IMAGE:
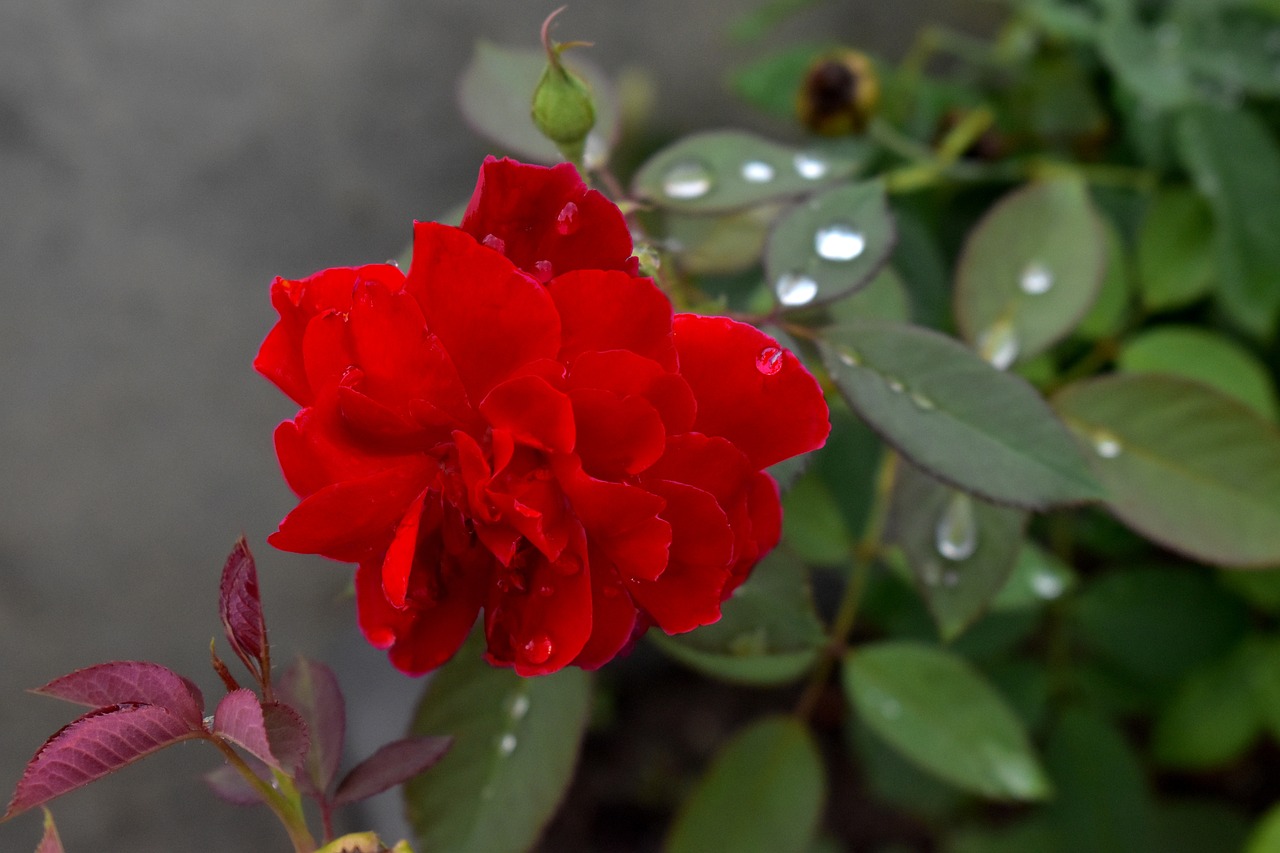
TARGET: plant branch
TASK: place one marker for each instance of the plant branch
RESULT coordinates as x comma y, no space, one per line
287,808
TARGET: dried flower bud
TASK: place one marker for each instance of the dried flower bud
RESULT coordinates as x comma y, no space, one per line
839,94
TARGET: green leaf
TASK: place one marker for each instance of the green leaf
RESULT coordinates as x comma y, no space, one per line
831,245
1260,588
960,549
764,792
1175,250
897,781
768,632
1204,356
1157,624
952,414
1187,467
1265,837
812,525
1148,61
1211,719
935,709
885,298
1110,310
718,244
495,94
1198,825
1102,803
724,170
1236,166
1030,270
1038,577
1024,836
515,746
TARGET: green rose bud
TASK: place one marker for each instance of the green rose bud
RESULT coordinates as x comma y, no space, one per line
562,108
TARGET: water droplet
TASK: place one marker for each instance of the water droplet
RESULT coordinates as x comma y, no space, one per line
568,564
567,221
1047,585
809,167
546,590
839,242
769,361
956,535
519,706
594,152
493,241
543,271
687,180
849,358
1106,444
757,172
1036,279
794,289
539,649
890,708
951,579
922,402
894,385
508,744
999,344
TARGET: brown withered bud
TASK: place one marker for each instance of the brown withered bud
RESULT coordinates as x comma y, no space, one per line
839,94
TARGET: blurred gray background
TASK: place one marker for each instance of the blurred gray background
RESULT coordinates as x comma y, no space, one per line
160,161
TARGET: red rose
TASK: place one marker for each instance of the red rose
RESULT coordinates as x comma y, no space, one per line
569,458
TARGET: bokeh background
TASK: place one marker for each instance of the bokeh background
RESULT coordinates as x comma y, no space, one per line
160,161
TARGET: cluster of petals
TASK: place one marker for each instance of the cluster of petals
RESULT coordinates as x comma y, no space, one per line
520,426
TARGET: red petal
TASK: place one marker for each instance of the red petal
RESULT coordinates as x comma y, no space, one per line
535,413
398,562
765,511
526,208
347,520
769,415
622,523
710,463
617,436
490,318
611,310
317,449
627,374
613,618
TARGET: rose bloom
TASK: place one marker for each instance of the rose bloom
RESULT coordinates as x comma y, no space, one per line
521,426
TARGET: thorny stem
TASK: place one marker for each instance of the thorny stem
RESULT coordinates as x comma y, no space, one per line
863,558
288,808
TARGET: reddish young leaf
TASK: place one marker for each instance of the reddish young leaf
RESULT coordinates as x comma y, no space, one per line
241,611
227,783
228,680
287,734
239,719
50,842
98,743
396,762
312,690
125,682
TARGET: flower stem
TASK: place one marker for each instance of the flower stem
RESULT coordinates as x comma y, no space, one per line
863,559
287,808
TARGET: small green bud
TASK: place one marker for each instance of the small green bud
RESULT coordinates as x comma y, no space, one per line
562,106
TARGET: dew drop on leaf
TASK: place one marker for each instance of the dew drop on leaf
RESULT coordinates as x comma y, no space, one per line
686,180
519,706
809,167
1106,445
839,242
1036,279
769,361
849,358
894,385
1046,585
567,221
794,289
956,534
999,344
757,172
507,744
922,402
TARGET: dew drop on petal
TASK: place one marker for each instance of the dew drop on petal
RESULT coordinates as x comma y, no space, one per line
999,344
809,167
546,590
507,744
769,361
543,271
1036,279
757,172
956,534
493,241
1106,444
567,220
794,289
687,180
839,242
539,649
